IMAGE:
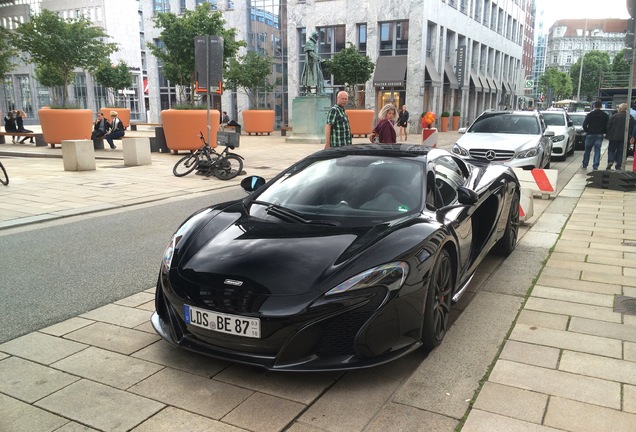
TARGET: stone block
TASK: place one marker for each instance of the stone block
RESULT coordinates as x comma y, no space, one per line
78,155
136,151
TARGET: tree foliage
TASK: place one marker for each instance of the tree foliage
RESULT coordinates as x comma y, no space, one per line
619,71
59,46
350,67
595,63
251,73
7,51
114,77
176,48
559,82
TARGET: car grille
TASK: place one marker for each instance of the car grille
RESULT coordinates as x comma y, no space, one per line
492,155
232,300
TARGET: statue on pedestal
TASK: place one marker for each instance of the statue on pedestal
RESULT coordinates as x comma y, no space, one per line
312,73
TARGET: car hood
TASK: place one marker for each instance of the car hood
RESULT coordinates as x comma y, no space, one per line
285,259
559,130
497,141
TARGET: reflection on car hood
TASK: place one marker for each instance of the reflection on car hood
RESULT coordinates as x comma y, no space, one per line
498,141
283,258
558,130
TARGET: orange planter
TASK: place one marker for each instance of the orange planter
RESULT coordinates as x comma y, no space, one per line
182,127
65,124
444,123
258,121
455,123
122,113
361,121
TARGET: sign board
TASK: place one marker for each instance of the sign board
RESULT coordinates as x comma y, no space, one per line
208,61
460,65
529,84
228,138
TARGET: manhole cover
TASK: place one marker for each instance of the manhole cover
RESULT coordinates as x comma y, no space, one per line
625,305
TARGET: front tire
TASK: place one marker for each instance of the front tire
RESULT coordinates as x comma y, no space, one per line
186,165
508,242
4,177
228,167
438,302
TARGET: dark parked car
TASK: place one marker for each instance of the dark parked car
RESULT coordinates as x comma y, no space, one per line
579,139
350,258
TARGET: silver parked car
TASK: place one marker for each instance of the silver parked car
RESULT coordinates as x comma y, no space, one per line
559,121
519,139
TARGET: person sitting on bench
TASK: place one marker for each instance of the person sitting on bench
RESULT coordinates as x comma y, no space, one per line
19,121
225,121
10,125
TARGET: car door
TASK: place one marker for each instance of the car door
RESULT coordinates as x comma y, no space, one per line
571,132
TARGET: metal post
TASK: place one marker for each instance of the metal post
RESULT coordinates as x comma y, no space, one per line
629,103
207,81
578,92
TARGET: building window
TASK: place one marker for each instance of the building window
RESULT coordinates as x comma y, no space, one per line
330,40
362,38
394,38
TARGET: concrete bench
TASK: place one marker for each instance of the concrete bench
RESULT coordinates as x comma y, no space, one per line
133,126
136,151
78,155
39,138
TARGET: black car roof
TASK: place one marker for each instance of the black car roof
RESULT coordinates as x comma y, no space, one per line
395,150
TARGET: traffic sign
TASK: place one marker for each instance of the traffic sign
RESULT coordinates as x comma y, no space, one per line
529,84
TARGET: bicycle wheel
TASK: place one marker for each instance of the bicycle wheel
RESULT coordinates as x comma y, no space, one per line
4,177
228,167
186,165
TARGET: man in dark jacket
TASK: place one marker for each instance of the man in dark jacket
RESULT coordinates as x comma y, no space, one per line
616,136
595,124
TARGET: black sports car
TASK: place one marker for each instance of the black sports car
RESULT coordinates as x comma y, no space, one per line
349,258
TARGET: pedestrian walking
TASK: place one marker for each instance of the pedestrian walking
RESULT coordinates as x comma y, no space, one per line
338,130
384,129
595,125
403,123
616,136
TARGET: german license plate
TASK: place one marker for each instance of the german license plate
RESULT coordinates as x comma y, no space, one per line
223,323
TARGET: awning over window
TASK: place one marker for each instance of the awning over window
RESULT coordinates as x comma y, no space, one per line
431,73
508,87
390,71
493,84
484,83
449,76
474,81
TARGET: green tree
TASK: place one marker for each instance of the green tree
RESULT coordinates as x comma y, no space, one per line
595,64
619,71
114,77
350,67
559,82
58,46
251,73
176,48
7,51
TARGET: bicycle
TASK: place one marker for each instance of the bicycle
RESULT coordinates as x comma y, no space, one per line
207,161
4,177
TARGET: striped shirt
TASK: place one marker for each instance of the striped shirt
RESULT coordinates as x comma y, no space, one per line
340,130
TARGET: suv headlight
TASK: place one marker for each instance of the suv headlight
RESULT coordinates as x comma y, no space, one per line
459,150
528,153
392,275
558,138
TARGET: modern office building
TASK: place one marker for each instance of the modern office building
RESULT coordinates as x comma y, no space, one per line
438,55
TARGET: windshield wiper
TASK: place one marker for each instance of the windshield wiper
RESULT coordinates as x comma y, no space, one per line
289,215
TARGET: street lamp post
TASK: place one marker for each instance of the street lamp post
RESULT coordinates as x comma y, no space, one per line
578,92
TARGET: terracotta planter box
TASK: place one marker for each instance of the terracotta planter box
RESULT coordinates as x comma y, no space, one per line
455,123
65,124
122,113
258,121
444,123
182,127
361,121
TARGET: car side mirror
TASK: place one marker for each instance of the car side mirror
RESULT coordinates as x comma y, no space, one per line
251,183
462,130
548,133
466,198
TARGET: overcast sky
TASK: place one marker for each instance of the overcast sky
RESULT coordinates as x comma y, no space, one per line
564,9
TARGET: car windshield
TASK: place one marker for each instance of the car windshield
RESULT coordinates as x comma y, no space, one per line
553,119
577,119
506,124
354,186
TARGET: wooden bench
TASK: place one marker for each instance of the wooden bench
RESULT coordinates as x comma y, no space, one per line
39,138
284,130
133,126
236,129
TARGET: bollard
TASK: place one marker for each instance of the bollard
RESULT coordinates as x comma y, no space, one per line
429,137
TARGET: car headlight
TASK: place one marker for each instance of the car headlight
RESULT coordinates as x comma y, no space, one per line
460,150
176,238
558,138
528,153
392,275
